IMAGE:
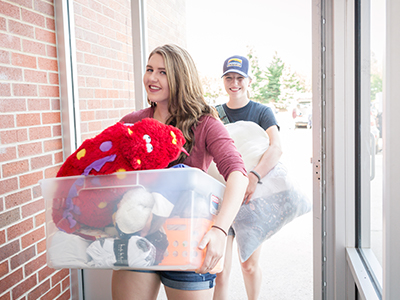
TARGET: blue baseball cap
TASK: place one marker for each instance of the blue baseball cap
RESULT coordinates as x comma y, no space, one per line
238,64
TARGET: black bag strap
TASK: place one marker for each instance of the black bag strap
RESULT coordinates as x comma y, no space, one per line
222,114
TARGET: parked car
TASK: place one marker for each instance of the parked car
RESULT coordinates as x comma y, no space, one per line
302,113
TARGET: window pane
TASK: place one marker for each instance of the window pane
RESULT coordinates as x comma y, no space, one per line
377,31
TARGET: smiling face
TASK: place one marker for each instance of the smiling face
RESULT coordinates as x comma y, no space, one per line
236,85
155,79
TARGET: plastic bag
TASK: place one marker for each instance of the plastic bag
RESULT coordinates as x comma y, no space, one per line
275,202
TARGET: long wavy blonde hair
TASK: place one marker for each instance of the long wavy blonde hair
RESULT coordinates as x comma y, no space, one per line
186,101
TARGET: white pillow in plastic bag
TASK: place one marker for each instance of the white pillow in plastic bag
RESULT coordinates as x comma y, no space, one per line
275,202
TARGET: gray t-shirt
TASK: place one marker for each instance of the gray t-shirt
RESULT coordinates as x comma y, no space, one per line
253,111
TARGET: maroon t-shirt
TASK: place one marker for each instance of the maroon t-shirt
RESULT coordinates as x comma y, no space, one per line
212,141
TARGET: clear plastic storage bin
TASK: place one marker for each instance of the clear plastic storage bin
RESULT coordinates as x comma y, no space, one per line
145,220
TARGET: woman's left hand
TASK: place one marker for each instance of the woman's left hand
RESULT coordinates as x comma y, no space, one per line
251,187
214,240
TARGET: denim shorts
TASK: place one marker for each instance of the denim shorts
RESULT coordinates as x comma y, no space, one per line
184,280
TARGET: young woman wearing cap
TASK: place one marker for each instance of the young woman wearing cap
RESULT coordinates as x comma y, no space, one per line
176,98
240,108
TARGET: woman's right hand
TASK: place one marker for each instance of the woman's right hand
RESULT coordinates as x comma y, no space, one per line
214,240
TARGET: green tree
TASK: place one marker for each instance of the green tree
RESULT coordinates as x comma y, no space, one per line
274,74
259,81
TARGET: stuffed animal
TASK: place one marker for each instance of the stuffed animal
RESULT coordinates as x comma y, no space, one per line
148,144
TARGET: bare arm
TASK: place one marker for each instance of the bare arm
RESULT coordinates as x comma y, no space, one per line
269,160
215,239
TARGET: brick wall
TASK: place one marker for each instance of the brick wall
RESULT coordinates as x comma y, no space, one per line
105,63
30,147
30,117
166,22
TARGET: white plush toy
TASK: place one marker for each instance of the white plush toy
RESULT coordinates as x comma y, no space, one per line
136,208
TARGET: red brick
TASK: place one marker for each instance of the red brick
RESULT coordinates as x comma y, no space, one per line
40,219
12,105
30,119
39,133
65,283
41,162
101,114
52,294
44,7
52,145
100,93
25,3
4,268
6,296
10,42
9,10
52,117
18,198
33,237
38,104
5,88
50,24
6,121
45,36
30,179
33,18
56,132
7,73
49,91
19,28
6,154
22,257
41,246
65,296
55,104
3,24
94,104
47,64
9,250
40,290
107,103
87,115
19,229
32,208
23,287
33,47
45,272
27,90
2,237
53,78
29,149
51,172
22,60
35,76
59,276
36,264
13,136
58,157
36,191
95,126
8,185
10,280
4,57
15,168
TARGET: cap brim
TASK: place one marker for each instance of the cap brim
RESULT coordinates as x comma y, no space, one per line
235,71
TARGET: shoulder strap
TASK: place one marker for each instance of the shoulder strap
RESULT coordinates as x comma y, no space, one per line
222,114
